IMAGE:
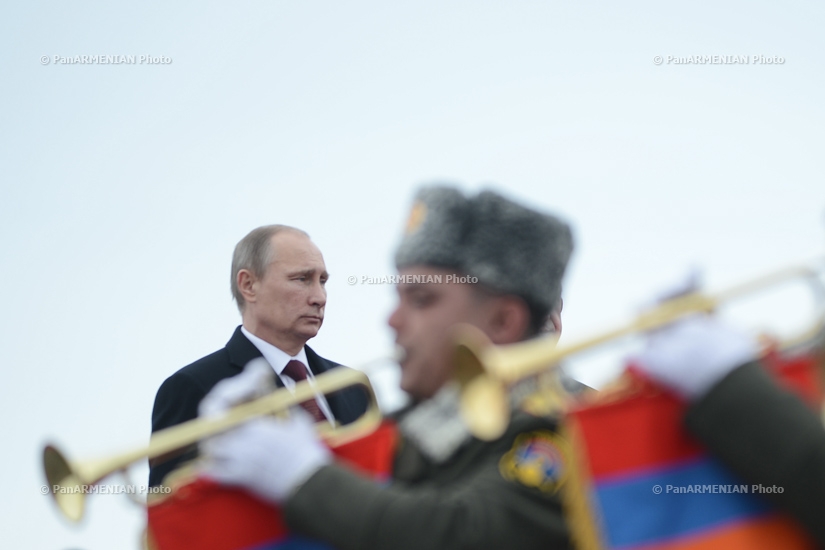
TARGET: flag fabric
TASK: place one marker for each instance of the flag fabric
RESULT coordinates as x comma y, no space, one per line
639,481
205,515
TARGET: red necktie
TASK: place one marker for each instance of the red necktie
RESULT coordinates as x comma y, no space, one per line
297,371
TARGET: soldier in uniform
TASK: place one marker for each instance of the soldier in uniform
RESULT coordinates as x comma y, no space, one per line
483,260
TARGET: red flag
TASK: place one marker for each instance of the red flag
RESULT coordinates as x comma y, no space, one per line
640,481
205,515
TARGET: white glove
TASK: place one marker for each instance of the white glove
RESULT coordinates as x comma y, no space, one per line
692,355
268,456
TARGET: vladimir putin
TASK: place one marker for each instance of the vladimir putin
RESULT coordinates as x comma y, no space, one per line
279,283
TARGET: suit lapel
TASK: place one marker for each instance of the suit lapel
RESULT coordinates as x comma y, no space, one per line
317,364
337,403
241,351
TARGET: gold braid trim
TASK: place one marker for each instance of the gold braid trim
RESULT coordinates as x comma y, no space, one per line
576,502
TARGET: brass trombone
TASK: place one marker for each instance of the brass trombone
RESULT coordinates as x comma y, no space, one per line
486,372
69,481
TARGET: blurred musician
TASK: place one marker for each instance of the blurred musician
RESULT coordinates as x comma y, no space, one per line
763,432
483,260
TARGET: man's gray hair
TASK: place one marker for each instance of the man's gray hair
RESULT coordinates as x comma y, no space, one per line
254,253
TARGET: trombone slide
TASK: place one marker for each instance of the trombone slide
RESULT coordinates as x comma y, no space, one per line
486,372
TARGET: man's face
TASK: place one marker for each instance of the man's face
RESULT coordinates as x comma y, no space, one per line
422,322
288,308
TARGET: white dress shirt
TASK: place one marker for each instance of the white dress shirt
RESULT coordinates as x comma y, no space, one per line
278,359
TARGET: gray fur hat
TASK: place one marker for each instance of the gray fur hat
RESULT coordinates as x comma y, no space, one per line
510,248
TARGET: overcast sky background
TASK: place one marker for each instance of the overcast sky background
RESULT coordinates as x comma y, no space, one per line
124,188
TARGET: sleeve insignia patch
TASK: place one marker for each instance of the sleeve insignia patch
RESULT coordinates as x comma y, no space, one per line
537,459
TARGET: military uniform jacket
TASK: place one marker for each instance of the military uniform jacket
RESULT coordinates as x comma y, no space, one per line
768,436
464,502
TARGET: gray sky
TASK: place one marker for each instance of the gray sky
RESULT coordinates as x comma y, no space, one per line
124,187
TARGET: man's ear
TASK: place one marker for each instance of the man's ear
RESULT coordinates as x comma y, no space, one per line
509,320
247,285
553,324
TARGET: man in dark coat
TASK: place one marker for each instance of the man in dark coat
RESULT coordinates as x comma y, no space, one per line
278,281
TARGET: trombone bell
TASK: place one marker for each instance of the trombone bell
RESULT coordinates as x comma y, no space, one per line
485,403
64,485
69,481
